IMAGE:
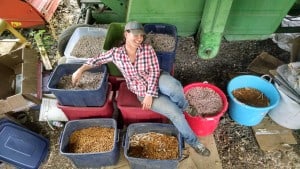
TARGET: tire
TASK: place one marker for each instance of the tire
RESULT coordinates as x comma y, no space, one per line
64,37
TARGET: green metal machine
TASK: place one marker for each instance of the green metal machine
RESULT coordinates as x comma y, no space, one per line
209,21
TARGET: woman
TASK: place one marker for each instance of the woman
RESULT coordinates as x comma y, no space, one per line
157,90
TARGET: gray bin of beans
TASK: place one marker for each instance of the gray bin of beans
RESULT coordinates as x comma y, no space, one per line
137,161
91,151
81,95
85,42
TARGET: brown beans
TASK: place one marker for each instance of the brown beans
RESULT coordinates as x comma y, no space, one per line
251,97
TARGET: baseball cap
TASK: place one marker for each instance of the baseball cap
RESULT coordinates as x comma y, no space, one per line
135,27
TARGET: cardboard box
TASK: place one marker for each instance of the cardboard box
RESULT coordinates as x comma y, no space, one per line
20,74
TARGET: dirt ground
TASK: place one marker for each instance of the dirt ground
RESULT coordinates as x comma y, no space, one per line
236,144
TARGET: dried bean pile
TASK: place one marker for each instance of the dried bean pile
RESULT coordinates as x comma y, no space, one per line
88,81
153,145
91,139
161,42
251,97
205,100
88,46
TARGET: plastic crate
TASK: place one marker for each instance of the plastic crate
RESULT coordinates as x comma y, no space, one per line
115,34
138,163
131,108
115,82
105,111
165,59
79,33
90,160
20,146
78,98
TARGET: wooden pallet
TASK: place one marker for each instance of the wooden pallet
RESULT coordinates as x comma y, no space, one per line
271,136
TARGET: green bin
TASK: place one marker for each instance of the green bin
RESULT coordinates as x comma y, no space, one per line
255,19
113,37
185,15
211,20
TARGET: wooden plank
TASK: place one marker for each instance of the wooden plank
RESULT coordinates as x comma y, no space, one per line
211,162
196,161
187,163
270,136
263,63
44,55
6,47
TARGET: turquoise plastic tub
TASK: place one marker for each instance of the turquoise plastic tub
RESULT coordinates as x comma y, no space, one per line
249,115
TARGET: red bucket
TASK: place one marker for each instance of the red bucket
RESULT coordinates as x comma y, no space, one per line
203,126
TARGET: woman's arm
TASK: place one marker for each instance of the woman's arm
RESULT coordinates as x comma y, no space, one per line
92,62
78,73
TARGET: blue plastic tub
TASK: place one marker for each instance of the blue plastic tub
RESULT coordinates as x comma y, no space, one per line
245,114
166,59
90,160
143,163
78,98
21,147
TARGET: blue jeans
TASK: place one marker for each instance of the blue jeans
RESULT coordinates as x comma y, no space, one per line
171,102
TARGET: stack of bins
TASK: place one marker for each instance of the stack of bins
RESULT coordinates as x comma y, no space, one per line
131,110
80,104
166,59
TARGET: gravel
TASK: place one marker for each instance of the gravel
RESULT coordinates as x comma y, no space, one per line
206,101
88,81
88,46
236,144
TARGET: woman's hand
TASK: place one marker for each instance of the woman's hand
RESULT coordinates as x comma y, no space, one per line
147,102
78,73
76,77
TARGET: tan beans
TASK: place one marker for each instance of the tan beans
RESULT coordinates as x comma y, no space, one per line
92,139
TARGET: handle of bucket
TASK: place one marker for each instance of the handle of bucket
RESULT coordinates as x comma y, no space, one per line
118,135
182,143
265,76
60,137
123,140
209,118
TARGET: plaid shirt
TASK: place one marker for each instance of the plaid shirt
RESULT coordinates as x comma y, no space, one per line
141,76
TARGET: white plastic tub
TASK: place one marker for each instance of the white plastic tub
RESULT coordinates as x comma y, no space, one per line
287,113
79,33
